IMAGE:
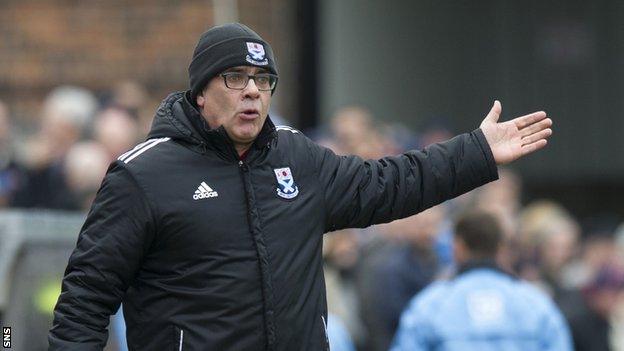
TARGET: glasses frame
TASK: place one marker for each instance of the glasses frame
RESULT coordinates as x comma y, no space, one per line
250,76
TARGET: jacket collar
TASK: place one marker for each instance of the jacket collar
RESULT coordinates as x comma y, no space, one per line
481,264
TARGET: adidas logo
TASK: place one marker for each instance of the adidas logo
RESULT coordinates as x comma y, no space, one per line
204,191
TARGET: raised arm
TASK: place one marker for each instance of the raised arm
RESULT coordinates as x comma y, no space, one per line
360,193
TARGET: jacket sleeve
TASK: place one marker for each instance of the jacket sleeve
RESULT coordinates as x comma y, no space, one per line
361,193
112,242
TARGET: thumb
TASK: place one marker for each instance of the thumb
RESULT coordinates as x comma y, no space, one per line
495,112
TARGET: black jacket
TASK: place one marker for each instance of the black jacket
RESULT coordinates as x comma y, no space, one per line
215,253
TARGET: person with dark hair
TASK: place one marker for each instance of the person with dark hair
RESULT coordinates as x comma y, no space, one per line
590,316
211,231
482,307
478,236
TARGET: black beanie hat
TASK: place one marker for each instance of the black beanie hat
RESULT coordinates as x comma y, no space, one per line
226,46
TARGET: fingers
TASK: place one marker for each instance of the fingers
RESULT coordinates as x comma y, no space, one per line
530,148
527,120
536,127
533,138
495,112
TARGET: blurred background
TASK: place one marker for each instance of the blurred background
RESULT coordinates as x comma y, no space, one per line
80,81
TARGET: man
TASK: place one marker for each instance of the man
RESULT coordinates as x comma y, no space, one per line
10,171
591,311
482,308
66,113
211,231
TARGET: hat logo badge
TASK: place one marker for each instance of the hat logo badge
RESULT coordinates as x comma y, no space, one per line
257,55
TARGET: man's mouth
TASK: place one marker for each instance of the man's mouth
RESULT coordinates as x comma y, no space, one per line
249,114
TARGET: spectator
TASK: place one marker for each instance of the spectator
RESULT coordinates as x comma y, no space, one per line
549,236
502,197
10,172
482,308
129,96
133,98
84,168
618,315
434,130
116,130
341,256
590,322
66,113
355,134
404,269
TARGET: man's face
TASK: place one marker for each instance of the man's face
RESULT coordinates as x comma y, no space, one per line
241,112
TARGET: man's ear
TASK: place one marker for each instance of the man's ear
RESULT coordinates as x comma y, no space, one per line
200,100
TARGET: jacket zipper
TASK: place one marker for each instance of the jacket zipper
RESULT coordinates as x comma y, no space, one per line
264,277
181,340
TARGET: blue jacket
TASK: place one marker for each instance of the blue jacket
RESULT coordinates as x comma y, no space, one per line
482,309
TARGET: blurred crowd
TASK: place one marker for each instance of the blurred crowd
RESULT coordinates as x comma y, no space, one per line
372,273
59,162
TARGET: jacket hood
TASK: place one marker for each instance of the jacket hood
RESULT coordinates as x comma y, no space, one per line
180,120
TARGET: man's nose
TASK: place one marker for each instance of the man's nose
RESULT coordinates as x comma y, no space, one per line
251,89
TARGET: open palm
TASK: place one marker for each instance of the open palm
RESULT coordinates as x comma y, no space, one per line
515,138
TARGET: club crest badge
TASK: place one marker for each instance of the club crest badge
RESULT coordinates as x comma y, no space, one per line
286,187
256,56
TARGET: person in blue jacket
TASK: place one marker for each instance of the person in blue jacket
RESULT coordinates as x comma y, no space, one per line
481,308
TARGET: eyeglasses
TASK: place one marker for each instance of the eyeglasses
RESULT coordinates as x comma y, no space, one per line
239,80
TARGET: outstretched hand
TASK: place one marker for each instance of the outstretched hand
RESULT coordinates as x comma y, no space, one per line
516,138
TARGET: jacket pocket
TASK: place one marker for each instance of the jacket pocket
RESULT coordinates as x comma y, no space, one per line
178,339
326,341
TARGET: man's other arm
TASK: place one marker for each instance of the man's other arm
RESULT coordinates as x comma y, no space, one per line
117,232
